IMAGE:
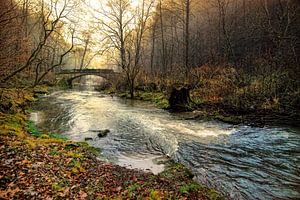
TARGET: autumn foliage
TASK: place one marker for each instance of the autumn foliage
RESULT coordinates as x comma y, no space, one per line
14,42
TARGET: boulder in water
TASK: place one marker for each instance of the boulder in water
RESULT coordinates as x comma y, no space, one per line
88,139
103,133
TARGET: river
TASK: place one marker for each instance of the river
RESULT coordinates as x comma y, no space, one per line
242,162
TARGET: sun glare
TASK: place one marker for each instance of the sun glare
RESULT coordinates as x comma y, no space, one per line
96,3
134,3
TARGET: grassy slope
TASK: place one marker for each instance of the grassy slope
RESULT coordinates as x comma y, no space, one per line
47,166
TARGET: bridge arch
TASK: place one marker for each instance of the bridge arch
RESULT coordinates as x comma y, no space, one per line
107,74
70,80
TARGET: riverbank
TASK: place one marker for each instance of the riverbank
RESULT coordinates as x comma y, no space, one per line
48,166
224,113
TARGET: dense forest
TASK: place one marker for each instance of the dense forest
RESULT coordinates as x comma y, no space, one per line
235,53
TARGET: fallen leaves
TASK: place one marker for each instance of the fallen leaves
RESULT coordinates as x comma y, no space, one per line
82,194
41,168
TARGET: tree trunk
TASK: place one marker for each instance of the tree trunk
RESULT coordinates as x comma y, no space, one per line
187,37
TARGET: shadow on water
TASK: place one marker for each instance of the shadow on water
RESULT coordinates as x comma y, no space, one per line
243,162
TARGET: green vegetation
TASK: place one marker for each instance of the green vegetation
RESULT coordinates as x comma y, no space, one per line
33,130
154,195
63,84
187,188
57,136
158,98
132,189
180,173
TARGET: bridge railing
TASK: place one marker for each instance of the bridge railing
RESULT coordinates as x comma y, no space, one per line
68,71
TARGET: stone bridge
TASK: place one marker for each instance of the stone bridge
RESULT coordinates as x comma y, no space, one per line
73,74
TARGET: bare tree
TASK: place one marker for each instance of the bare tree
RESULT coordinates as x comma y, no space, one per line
125,32
163,51
51,16
187,36
53,64
134,47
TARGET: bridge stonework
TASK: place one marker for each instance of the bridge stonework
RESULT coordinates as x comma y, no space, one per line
107,74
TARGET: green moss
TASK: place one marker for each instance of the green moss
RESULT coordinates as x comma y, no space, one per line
30,143
40,89
124,95
32,129
56,187
75,155
133,188
194,187
154,195
12,124
156,97
50,141
75,163
176,171
213,194
14,100
190,187
197,100
60,185
11,128
63,84
145,95
76,166
54,152
111,90
227,119
94,150
164,104
83,146
44,136
57,136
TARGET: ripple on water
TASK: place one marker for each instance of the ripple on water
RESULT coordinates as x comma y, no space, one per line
241,161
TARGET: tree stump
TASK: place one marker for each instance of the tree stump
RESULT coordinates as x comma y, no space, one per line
179,99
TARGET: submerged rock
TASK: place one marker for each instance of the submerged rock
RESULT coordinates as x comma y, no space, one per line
103,133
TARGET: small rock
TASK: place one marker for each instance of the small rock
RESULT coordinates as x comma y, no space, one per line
103,133
88,139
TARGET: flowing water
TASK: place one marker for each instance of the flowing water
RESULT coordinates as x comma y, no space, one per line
240,161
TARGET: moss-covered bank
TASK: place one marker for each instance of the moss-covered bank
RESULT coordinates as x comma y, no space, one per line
217,111
37,165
